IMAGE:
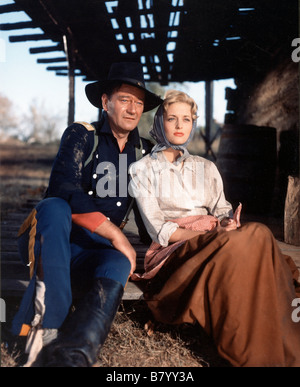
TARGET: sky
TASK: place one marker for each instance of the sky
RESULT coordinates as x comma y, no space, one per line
23,80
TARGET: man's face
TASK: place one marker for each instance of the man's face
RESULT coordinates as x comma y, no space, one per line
124,108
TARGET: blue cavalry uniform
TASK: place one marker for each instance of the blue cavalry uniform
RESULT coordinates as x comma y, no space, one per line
58,237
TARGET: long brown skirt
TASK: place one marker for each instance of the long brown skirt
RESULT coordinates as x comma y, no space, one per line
240,288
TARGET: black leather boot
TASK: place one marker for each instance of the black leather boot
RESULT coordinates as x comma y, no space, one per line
87,328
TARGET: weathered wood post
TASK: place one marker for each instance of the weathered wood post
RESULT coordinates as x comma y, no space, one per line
292,212
71,114
70,52
209,98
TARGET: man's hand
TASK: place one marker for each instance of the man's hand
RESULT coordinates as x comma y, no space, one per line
119,241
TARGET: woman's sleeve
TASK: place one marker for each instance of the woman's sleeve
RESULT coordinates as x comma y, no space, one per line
218,205
143,187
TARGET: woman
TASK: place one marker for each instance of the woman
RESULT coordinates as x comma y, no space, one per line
202,265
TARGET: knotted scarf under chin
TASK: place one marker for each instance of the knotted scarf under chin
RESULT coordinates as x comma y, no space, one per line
158,133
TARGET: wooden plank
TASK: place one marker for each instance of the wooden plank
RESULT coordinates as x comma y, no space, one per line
5,234
41,50
14,270
29,37
16,288
18,26
13,287
57,68
133,291
10,8
51,60
8,245
9,256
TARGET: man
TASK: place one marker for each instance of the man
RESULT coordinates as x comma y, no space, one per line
73,239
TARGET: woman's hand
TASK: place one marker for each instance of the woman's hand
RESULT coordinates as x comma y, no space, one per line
232,224
119,241
228,224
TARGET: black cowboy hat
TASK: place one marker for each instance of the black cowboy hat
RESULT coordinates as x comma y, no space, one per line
126,72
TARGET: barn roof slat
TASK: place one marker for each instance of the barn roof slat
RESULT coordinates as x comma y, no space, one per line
177,40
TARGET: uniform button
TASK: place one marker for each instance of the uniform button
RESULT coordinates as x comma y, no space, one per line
97,156
108,218
95,176
119,204
143,151
90,193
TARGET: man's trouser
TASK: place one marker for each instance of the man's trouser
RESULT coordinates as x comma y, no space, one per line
65,256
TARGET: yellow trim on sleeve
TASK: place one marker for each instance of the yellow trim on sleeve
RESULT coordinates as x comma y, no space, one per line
30,222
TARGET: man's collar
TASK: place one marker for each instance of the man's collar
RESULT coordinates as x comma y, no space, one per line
133,138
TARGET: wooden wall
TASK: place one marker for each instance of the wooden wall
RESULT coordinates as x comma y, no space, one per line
272,99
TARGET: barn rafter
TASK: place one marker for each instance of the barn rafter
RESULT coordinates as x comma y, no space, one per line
175,40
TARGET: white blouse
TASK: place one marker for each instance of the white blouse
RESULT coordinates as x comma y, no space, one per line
165,191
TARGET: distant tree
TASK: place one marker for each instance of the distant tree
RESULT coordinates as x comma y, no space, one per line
40,125
8,118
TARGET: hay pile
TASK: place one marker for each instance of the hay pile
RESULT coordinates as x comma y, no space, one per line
130,345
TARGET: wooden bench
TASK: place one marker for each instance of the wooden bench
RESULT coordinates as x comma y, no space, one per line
15,276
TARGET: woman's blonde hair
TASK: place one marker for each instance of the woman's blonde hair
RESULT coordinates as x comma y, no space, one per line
173,96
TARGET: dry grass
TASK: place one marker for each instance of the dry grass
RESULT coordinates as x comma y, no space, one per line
129,345
24,173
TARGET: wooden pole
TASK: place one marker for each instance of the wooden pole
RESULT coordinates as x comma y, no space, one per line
70,53
71,114
209,97
292,212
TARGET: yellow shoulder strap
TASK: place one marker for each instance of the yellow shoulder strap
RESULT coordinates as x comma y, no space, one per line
87,126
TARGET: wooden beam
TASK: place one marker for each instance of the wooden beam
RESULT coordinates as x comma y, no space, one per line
42,50
71,111
65,74
209,97
9,8
57,68
70,51
16,288
18,26
52,60
25,38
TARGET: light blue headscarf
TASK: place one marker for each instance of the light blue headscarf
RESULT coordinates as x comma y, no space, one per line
158,133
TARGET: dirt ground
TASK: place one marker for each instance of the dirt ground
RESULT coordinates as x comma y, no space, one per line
24,173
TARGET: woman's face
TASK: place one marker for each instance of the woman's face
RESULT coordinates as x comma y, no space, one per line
178,122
